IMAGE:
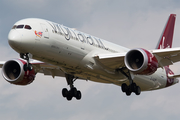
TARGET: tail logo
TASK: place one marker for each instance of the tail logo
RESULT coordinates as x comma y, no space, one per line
162,46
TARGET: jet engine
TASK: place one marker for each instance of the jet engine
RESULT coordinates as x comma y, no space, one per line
13,72
141,61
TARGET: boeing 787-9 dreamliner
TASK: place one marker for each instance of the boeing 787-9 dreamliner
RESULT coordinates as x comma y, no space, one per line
53,49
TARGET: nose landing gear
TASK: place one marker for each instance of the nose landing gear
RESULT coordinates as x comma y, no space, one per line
28,65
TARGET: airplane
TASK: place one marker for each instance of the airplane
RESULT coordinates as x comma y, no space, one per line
56,50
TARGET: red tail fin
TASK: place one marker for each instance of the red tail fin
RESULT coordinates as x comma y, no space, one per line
165,41
166,38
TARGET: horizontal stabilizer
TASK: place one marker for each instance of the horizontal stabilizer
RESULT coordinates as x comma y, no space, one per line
173,76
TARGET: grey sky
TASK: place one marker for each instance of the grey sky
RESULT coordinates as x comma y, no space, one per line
130,23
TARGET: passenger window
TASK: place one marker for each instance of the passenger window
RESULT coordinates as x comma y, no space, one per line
20,26
28,27
14,27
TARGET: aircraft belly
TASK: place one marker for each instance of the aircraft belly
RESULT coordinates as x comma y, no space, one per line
92,70
151,82
144,82
102,77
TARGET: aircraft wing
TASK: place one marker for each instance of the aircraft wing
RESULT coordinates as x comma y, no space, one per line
165,57
41,67
112,60
47,69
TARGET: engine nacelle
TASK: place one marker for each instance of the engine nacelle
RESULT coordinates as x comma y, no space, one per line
14,73
141,61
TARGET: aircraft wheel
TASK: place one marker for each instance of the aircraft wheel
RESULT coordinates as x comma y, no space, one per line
69,96
64,92
138,90
78,96
28,67
74,91
71,93
133,87
128,92
124,87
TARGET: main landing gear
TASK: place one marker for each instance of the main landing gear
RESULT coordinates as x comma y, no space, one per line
73,92
28,65
132,86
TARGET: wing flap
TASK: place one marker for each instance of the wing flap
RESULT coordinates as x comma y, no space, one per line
52,72
47,69
113,60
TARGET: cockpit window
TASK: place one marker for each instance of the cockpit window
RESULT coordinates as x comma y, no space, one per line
20,26
14,27
27,27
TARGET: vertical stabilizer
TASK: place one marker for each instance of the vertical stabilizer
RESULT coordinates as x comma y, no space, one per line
166,38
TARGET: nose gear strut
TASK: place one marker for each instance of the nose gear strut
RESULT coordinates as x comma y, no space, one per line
28,65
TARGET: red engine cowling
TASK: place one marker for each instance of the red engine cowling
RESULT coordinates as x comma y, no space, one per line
14,73
141,61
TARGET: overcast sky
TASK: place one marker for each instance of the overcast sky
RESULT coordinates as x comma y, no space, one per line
130,23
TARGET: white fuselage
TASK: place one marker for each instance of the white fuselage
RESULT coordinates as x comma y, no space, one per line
73,52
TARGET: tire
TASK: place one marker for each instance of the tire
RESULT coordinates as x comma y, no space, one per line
128,92
138,90
69,96
133,87
64,92
74,91
124,87
26,68
78,96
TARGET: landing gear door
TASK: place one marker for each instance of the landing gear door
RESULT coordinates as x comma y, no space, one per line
45,31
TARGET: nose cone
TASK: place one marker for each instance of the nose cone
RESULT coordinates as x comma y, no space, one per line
14,39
